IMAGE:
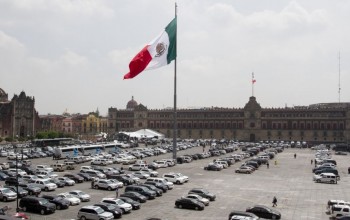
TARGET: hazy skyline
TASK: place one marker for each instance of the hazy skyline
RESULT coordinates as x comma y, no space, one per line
73,54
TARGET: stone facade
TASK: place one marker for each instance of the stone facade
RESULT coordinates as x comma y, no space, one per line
329,122
18,117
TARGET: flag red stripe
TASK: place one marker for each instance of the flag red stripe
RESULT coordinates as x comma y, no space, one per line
138,63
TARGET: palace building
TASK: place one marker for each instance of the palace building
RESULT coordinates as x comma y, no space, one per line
325,122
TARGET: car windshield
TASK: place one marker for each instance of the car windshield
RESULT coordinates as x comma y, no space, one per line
43,202
205,191
99,210
6,191
119,202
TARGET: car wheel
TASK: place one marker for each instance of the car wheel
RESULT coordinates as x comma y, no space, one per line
5,199
274,217
46,189
123,211
180,206
318,181
177,182
109,188
42,212
58,207
96,186
332,181
196,208
24,209
82,218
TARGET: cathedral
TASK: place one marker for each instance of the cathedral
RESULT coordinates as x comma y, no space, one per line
18,117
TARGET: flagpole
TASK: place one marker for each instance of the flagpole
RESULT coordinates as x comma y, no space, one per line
253,84
175,113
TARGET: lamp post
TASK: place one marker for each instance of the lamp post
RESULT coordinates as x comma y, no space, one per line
17,209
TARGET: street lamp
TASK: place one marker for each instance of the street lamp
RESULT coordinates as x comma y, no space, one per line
17,208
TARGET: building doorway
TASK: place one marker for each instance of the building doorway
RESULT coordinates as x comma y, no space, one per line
252,138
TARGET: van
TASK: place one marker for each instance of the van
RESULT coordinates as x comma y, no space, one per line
69,165
325,178
37,204
340,210
58,167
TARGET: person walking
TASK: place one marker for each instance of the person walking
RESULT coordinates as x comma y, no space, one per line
267,165
92,183
275,162
312,161
116,192
274,201
295,156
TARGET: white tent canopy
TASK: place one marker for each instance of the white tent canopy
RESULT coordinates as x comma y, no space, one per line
144,133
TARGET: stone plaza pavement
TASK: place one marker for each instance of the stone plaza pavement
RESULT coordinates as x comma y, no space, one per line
290,181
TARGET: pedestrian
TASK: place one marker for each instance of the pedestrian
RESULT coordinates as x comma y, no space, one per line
203,148
295,156
92,183
267,165
312,161
275,162
349,170
116,192
274,201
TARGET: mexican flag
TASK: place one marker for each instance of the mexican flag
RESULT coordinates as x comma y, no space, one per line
159,52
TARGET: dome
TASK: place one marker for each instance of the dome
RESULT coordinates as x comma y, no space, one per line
3,96
131,104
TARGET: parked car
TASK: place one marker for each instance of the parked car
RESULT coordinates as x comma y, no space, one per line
197,197
189,204
158,191
135,205
37,204
105,184
66,180
160,186
203,192
84,197
86,176
174,178
32,189
126,207
244,169
20,193
117,212
44,184
135,196
72,199
340,210
213,166
264,212
75,177
242,214
59,183
94,212
149,194
60,202
325,178
7,195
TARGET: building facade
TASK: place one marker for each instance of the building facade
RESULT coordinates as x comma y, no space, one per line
328,122
18,117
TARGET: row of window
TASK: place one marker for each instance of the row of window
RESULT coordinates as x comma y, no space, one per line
302,125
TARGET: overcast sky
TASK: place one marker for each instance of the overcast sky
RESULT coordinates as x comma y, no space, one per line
72,54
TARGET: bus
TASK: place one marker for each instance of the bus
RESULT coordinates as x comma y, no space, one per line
51,142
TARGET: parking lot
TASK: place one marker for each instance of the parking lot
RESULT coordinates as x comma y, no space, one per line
290,181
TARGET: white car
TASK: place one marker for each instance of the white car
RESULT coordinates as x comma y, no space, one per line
162,164
105,184
84,197
67,181
141,174
44,167
125,207
71,198
19,171
150,172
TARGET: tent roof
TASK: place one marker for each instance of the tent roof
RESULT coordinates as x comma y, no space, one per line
144,133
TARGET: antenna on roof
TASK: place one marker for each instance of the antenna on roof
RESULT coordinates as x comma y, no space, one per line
339,89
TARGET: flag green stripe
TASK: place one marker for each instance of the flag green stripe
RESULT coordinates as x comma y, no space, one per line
171,30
